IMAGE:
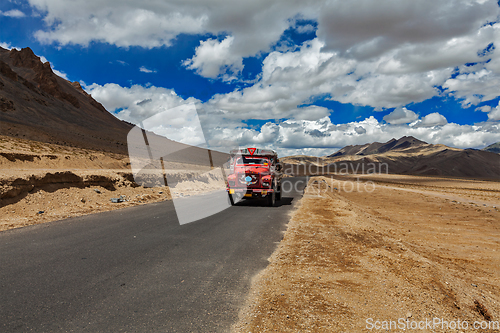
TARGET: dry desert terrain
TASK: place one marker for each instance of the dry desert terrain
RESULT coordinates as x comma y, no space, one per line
43,182
403,249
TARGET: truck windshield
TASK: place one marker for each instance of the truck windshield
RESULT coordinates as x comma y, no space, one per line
252,161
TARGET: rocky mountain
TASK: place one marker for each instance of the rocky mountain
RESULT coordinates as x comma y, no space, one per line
406,143
37,104
493,148
406,155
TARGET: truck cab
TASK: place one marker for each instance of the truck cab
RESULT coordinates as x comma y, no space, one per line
254,173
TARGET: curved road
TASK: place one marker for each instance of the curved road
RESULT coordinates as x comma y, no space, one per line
137,269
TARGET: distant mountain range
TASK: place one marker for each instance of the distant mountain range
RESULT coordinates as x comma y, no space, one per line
406,143
494,148
408,155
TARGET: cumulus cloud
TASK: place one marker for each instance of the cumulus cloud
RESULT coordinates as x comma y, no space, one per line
314,136
385,55
322,137
136,103
358,29
433,119
214,58
494,113
81,22
477,82
474,88
16,13
360,130
484,108
365,28
290,79
401,116
255,24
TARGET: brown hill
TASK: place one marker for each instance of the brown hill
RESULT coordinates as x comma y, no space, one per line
37,104
404,156
494,148
405,143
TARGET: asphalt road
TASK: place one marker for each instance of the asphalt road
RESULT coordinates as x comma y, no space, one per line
137,269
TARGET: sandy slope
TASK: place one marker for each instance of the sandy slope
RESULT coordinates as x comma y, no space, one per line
41,182
402,252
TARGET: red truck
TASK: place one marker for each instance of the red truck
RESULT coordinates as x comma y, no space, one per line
254,173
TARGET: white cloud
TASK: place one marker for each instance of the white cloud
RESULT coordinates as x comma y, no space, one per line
146,70
494,114
384,54
312,112
401,116
318,136
395,52
255,24
290,79
433,119
475,87
365,28
136,103
303,29
61,74
322,137
484,108
16,13
358,27
214,58
8,46
477,83
113,22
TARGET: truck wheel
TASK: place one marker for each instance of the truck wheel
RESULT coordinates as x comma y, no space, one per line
271,199
231,200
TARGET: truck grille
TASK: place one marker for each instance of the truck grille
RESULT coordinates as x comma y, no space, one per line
248,179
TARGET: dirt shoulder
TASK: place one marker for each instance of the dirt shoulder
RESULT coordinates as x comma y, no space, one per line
41,182
388,255
45,205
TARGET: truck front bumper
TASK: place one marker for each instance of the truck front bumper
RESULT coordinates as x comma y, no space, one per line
250,190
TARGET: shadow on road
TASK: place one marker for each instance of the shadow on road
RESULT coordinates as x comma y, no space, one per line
285,201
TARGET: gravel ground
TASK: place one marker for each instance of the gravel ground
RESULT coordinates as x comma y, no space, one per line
356,261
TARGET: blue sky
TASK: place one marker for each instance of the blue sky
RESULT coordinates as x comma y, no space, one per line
284,74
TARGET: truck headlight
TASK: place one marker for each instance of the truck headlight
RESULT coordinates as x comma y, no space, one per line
265,183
